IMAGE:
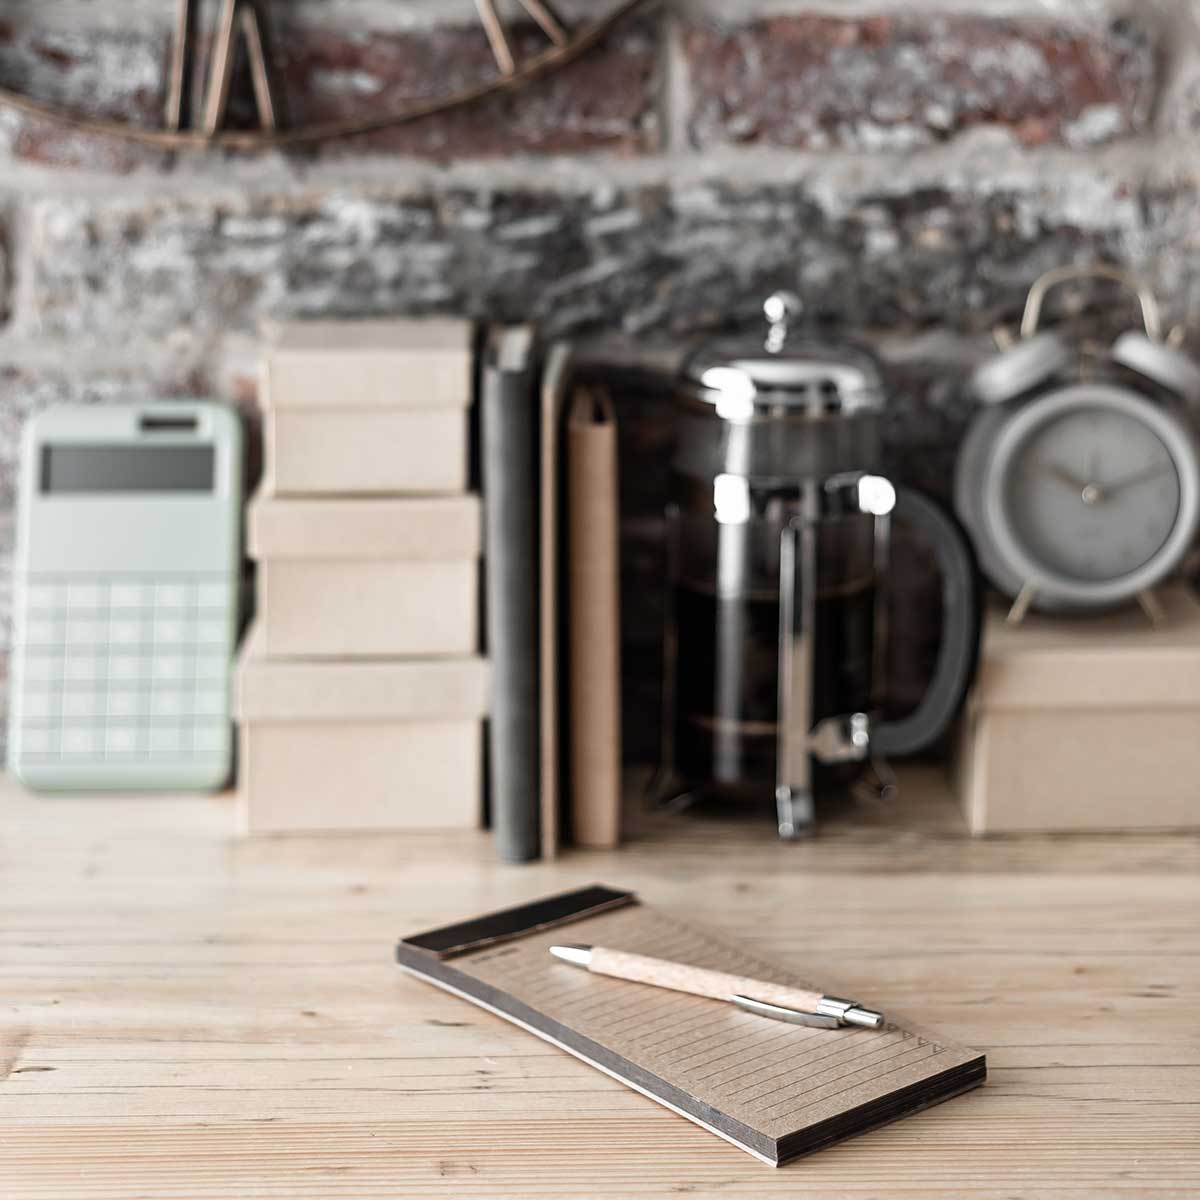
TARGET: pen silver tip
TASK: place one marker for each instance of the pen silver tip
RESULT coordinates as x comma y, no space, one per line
866,1017
579,955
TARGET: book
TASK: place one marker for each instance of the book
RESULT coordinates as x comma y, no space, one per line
773,1089
594,636
555,389
509,417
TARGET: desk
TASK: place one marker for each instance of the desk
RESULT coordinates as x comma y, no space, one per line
183,1014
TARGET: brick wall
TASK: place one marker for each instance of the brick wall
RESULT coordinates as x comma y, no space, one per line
910,167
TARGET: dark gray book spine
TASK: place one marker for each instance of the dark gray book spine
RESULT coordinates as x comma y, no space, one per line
509,436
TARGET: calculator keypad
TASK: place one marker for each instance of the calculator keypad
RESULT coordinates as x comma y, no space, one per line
123,668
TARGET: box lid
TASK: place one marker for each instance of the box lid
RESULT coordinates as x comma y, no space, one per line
275,690
424,528
369,364
1118,660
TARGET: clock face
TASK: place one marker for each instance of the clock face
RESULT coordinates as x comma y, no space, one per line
1089,496
1093,494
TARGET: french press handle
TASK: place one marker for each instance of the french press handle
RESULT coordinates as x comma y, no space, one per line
961,616
855,737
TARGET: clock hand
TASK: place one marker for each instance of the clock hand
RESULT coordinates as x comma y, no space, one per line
1064,476
1143,476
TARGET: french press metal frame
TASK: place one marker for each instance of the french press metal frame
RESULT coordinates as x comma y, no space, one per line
801,506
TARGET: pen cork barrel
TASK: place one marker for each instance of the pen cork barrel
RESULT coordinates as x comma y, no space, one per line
697,981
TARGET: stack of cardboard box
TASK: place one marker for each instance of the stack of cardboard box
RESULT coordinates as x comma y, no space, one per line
360,691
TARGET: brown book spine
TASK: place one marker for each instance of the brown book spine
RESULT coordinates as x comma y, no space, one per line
593,591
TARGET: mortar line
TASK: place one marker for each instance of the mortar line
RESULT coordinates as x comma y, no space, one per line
984,155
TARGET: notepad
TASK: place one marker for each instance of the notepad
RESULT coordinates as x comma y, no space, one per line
777,1091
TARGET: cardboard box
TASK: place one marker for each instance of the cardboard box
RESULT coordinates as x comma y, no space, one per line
367,578
1085,723
368,407
328,746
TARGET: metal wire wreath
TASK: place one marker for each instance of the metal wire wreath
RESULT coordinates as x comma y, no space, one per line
247,19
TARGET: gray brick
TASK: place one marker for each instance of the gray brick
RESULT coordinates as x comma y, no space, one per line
204,265
655,258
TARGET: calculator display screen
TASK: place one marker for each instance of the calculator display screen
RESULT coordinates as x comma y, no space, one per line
109,468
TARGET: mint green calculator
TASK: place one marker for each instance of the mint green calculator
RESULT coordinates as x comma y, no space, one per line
126,597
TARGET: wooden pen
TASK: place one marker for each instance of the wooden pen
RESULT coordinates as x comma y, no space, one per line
778,1001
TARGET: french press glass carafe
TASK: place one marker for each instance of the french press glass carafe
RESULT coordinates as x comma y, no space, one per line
779,544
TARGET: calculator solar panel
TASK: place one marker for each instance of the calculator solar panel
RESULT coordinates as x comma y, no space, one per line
126,597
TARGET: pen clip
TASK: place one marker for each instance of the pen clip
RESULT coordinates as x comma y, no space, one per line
830,1013
793,1016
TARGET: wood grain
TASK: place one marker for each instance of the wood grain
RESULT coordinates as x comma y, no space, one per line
184,1014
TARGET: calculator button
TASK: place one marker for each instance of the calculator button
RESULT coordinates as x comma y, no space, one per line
127,668
128,596
172,595
86,632
83,669
38,739
38,705
213,595
166,739
79,739
86,596
211,667
169,668
82,704
43,596
211,632
168,704
42,631
125,703
121,739
43,668
211,702
169,631
210,738
125,631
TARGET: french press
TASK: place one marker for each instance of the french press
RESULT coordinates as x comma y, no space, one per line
779,547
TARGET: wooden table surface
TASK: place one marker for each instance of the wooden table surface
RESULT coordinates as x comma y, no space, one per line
183,1014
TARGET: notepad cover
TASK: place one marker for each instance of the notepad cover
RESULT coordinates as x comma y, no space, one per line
776,1090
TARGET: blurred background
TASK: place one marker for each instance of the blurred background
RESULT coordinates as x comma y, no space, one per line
909,173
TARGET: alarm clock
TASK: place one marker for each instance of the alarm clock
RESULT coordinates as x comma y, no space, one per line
1079,478
125,597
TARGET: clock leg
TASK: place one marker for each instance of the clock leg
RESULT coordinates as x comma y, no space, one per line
1150,605
1021,605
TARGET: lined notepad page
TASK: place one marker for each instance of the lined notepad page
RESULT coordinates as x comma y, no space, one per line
773,1077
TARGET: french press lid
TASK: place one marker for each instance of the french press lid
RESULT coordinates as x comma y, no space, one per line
788,371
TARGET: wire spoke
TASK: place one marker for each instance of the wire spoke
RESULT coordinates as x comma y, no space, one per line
182,56
548,20
222,68
494,28
255,33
